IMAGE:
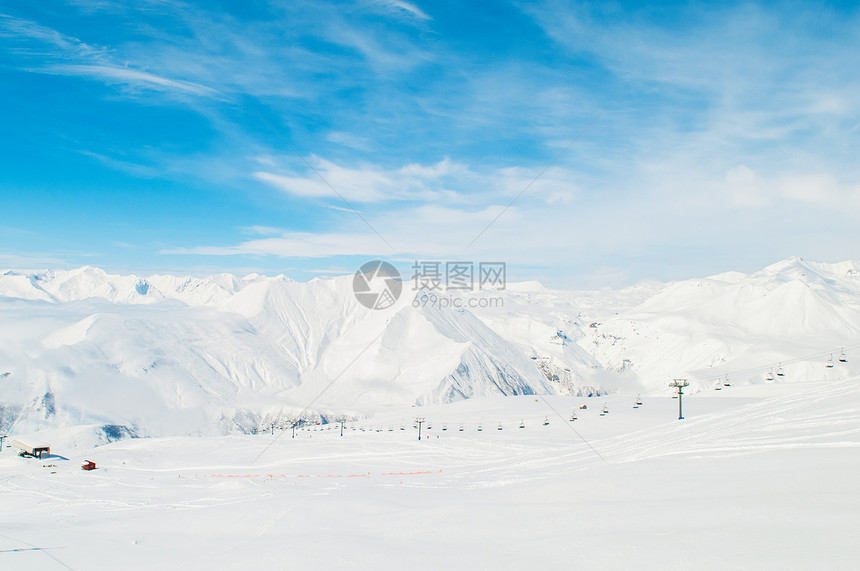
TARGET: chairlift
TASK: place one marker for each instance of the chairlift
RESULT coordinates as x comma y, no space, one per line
829,363
500,426
605,409
546,421
726,383
390,428
480,428
719,386
769,376
402,426
573,416
461,428
638,401
843,358
444,427
779,371
522,424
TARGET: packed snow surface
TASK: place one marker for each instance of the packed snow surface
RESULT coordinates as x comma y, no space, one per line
754,478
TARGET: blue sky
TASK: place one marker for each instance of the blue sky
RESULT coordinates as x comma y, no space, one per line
164,137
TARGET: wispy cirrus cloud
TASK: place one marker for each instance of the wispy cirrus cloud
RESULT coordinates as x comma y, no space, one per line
294,245
128,76
403,7
47,50
372,183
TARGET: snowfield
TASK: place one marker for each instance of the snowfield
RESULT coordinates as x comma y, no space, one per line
747,480
183,390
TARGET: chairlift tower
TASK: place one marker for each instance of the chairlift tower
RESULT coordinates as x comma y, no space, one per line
419,422
679,384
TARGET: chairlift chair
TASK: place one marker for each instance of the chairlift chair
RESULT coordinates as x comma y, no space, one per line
522,424
769,376
638,401
779,371
829,363
500,426
843,358
546,421
573,416
719,386
726,383
444,427
480,428
461,428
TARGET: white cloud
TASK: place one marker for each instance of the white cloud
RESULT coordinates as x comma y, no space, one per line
404,7
745,188
370,183
67,55
114,74
822,190
350,140
295,245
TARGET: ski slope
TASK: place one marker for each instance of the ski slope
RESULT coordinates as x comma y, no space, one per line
178,355
755,477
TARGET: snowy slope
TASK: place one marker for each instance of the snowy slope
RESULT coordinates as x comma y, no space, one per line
793,314
546,324
746,482
165,355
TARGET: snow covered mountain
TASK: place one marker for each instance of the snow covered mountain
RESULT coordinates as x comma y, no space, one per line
178,355
792,317
167,355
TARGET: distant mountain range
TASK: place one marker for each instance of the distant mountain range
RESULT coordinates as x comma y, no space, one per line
179,355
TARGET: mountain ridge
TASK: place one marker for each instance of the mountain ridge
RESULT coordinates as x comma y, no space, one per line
176,354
